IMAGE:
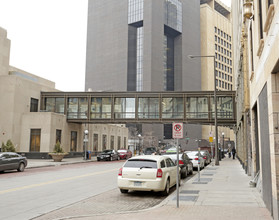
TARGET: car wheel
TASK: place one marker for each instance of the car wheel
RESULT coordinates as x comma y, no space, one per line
98,159
123,190
167,188
21,167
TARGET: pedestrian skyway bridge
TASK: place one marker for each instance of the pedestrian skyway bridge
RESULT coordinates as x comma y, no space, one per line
142,107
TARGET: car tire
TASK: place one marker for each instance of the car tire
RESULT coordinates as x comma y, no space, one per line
124,190
21,167
98,159
167,188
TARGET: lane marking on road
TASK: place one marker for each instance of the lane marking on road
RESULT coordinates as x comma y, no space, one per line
54,181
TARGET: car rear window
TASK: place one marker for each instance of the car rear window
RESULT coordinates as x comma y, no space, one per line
141,163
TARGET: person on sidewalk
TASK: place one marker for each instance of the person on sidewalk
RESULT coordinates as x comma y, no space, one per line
233,152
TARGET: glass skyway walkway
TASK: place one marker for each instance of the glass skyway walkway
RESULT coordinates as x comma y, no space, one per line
142,107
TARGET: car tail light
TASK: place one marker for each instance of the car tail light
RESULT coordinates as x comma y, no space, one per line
120,171
181,162
196,158
159,173
204,157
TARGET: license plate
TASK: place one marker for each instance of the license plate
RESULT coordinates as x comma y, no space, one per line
137,183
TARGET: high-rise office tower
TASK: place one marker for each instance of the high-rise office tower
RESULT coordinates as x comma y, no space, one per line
143,45
216,39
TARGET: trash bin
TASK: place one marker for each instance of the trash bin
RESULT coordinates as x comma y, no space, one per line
88,155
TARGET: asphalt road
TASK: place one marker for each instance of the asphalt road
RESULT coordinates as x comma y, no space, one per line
38,191
48,193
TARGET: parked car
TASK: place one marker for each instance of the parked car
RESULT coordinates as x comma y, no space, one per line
196,160
149,150
124,154
185,163
206,156
108,155
12,161
147,173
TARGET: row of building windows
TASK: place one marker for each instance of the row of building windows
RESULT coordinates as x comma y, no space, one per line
223,50
223,67
224,85
223,59
223,42
223,34
35,137
225,76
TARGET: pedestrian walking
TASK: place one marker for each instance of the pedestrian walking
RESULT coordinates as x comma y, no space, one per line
233,152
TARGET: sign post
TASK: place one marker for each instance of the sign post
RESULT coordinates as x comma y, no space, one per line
177,132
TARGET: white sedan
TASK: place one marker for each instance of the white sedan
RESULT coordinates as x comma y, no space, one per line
147,173
196,160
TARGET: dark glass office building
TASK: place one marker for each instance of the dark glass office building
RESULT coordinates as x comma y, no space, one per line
143,45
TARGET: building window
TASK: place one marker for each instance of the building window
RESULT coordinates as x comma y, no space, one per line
58,136
173,14
100,107
118,142
125,141
135,11
104,142
111,142
251,48
139,59
73,141
95,142
35,140
168,63
54,105
34,103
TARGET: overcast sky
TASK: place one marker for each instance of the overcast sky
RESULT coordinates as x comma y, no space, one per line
48,38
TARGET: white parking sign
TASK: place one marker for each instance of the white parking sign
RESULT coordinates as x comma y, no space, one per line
177,130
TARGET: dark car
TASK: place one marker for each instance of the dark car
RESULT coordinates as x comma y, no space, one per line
150,150
12,161
108,155
185,163
124,154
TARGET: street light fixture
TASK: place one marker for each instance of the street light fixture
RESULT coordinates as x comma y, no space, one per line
215,101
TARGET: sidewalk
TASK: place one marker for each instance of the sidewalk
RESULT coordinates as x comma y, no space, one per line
223,192
36,163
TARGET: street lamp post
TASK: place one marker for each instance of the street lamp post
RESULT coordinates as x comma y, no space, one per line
223,136
139,136
215,101
85,143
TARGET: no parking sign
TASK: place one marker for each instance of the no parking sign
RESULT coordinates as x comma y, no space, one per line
177,130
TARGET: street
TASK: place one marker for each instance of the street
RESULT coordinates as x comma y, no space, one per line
39,191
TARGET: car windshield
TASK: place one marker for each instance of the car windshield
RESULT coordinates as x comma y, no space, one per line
141,163
107,151
121,151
